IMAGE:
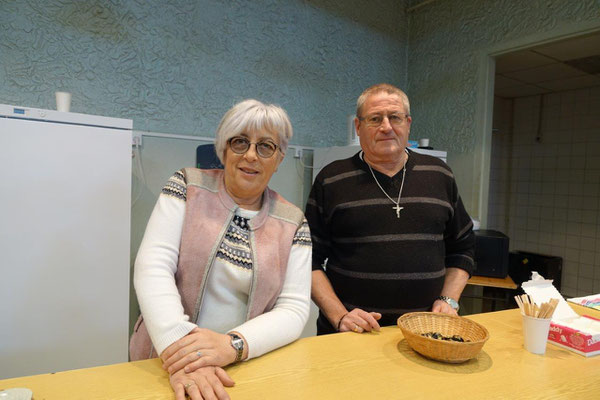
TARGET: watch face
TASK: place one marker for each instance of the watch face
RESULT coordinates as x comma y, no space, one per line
238,343
450,301
453,303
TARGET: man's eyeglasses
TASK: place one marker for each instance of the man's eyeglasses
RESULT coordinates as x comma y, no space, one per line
375,120
240,145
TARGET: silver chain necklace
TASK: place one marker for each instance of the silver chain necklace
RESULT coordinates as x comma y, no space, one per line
396,207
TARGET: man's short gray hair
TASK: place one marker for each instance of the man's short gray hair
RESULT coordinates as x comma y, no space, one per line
381,87
252,116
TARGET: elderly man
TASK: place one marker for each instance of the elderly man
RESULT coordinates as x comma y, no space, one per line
390,232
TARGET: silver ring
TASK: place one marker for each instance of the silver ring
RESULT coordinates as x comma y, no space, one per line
199,353
187,385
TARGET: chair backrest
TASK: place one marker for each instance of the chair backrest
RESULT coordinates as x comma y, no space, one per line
206,157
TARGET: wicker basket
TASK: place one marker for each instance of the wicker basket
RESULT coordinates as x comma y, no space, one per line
413,324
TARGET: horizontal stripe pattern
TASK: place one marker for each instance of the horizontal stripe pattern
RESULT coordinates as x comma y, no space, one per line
319,240
433,168
344,175
465,229
386,310
176,186
466,258
302,236
386,201
391,238
411,276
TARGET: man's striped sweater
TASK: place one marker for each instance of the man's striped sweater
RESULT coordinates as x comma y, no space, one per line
376,261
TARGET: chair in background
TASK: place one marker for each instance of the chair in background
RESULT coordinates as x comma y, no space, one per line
206,157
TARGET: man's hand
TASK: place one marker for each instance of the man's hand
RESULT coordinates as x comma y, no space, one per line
359,321
199,348
203,384
454,283
441,306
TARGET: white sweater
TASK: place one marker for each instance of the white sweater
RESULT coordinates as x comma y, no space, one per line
160,303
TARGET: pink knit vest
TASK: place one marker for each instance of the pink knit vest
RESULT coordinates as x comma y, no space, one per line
209,210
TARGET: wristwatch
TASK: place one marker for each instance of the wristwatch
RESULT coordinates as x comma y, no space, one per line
453,303
238,345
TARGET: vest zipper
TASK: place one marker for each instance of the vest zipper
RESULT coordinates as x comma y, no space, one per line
198,307
254,274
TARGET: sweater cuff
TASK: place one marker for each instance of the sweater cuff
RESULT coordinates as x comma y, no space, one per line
460,261
167,339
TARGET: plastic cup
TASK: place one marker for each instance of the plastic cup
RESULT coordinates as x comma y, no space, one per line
353,138
63,101
535,334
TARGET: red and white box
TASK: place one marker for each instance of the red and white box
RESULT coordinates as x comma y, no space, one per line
580,334
584,341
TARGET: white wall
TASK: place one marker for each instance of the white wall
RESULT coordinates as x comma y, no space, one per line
545,194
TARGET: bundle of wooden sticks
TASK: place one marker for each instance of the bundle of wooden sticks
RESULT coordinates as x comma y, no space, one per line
528,307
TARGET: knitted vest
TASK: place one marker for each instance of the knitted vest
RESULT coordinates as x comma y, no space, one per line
209,211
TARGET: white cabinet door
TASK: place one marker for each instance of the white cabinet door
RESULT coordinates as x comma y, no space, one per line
64,246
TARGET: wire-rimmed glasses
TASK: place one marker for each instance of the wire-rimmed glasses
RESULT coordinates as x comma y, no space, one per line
375,120
264,148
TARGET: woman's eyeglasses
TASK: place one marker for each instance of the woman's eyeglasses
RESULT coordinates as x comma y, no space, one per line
240,145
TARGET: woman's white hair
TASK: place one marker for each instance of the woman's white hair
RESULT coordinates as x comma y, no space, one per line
252,116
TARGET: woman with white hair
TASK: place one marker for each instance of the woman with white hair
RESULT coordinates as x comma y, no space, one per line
224,269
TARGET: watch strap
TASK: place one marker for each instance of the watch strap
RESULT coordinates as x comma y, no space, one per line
453,303
238,345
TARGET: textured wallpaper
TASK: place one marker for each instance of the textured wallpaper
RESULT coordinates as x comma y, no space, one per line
177,66
446,40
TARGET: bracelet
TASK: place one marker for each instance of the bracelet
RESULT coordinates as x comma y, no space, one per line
340,322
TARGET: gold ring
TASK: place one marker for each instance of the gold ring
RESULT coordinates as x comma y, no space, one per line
355,328
187,385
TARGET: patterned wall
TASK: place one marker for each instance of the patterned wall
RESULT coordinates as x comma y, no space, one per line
446,40
176,66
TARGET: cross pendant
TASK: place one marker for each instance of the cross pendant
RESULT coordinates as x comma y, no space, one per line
397,208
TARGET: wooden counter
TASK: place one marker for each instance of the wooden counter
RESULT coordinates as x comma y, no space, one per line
351,366
502,283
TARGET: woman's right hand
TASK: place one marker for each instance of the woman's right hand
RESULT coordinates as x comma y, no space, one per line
206,383
199,348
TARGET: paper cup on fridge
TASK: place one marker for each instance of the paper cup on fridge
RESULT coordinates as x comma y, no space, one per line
353,138
63,101
535,334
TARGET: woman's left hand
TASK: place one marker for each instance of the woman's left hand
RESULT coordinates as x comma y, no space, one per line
203,384
199,348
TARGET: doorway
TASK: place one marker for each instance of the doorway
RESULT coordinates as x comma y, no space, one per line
544,188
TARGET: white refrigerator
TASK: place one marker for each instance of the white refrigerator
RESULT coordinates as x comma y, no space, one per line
65,209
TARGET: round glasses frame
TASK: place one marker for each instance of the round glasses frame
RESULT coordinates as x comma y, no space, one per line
240,145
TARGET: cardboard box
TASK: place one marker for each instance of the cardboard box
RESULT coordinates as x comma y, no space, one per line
580,334
580,342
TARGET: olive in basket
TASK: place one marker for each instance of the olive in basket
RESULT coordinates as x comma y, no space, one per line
415,327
